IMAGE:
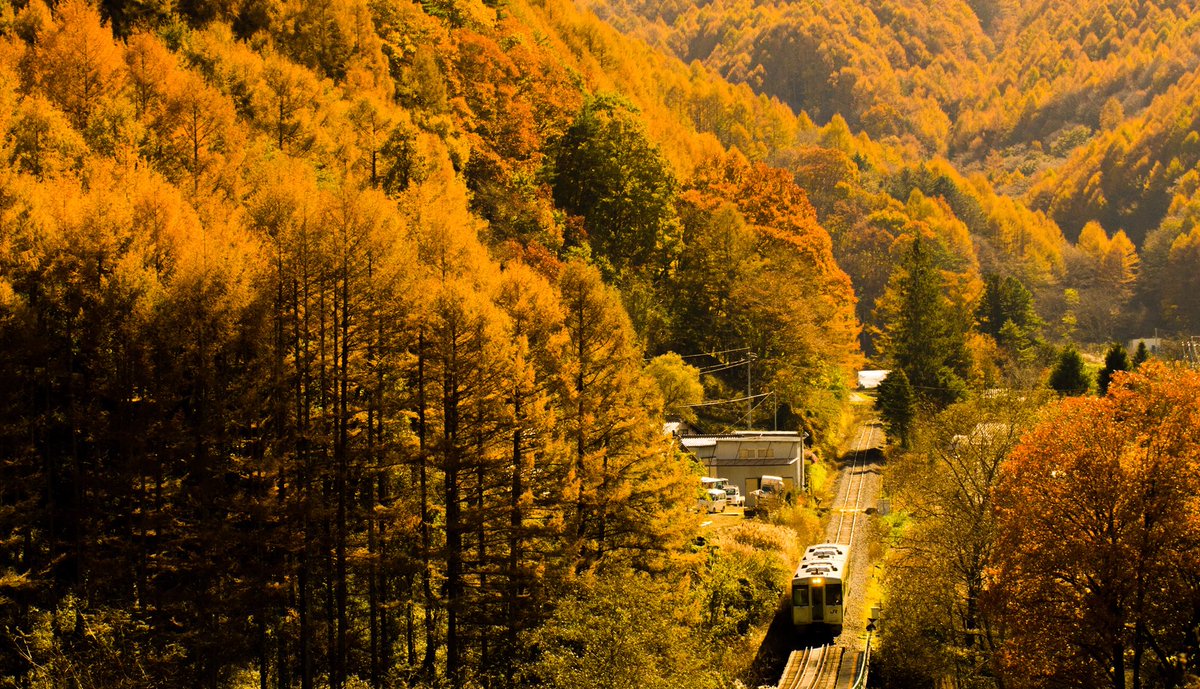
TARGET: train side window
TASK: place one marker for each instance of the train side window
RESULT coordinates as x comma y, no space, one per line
833,594
800,596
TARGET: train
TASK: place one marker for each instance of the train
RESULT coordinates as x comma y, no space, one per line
819,587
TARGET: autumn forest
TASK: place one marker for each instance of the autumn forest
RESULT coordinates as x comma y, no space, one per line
337,337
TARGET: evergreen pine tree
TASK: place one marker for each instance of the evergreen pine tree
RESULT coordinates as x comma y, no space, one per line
1117,359
1068,376
1140,356
897,404
922,334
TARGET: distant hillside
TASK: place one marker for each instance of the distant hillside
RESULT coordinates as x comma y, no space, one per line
1080,109
960,77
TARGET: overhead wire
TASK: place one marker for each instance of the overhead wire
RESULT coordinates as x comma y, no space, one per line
728,401
715,368
748,414
714,354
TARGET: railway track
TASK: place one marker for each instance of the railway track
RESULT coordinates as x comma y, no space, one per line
832,666
810,668
852,489
824,667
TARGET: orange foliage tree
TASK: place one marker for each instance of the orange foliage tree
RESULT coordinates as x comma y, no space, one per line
1099,541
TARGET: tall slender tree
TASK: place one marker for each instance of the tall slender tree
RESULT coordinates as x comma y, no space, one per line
923,334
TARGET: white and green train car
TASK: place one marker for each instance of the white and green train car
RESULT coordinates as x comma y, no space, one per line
819,587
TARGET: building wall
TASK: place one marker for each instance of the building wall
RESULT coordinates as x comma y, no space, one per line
764,456
746,477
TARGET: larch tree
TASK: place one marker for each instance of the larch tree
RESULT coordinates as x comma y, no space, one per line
78,63
629,487
42,141
538,464
200,126
468,370
285,97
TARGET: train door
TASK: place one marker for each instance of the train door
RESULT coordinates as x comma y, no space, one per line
818,603
800,612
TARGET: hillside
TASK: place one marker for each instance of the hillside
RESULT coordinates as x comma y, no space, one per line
339,336
326,329
1080,111
964,78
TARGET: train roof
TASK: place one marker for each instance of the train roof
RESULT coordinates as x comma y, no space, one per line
826,560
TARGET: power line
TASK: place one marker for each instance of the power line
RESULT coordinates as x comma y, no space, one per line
714,354
716,368
729,401
747,415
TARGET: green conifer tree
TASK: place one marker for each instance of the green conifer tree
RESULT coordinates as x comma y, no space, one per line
1117,359
897,404
922,335
1068,376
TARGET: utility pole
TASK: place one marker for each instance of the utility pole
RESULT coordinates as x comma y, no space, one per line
749,400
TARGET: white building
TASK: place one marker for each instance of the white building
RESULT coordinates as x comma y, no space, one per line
869,380
1153,345
745,457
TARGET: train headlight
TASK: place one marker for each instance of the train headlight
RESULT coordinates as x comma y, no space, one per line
817,582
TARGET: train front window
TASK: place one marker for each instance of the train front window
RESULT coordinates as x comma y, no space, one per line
800,596
833,594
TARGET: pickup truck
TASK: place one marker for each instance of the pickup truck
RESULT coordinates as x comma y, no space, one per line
767,496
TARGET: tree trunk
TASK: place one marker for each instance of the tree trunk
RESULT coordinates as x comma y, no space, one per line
428,666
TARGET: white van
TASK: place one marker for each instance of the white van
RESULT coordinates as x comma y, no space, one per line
734,497
712,501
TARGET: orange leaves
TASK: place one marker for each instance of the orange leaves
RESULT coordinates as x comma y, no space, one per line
788,298
43,141
1098,535
285,101
78,64
767,196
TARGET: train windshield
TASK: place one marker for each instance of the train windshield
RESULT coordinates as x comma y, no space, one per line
800,595
833,594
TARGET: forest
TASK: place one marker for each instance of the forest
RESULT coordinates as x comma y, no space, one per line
338,337
325,333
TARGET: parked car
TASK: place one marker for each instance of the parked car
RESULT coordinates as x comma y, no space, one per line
734,497
712,501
